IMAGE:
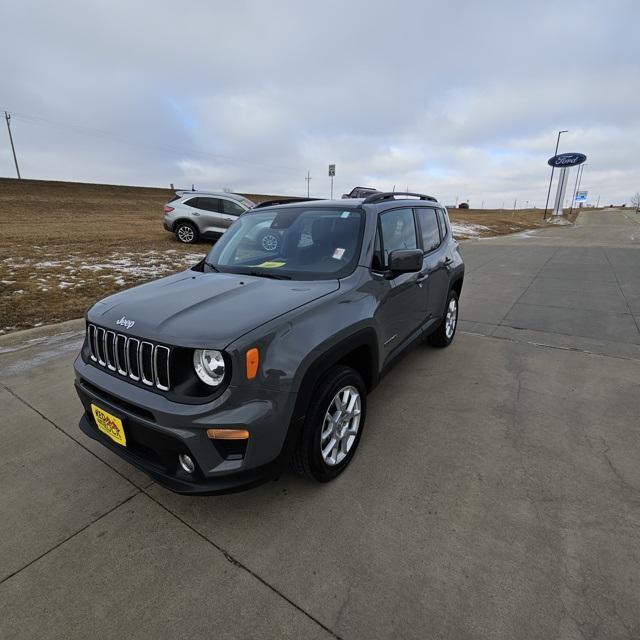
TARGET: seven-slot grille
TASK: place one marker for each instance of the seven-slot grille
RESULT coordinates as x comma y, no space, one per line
139,360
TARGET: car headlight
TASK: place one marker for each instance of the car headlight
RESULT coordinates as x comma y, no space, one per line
209,366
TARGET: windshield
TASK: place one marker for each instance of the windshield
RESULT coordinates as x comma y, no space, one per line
294,243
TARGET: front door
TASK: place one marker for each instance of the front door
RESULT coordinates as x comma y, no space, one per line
230,212
401,309
211,215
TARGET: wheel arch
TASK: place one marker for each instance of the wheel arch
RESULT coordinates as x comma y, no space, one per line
186,220
456,283
358,351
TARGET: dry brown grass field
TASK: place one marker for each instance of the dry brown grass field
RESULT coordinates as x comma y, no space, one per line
64,245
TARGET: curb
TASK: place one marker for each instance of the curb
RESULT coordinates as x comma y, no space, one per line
27,335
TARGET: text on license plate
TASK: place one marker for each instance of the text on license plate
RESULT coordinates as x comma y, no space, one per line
109,425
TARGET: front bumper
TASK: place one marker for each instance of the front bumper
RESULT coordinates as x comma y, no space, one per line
158,430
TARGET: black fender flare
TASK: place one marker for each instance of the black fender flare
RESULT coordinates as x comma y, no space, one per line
319,366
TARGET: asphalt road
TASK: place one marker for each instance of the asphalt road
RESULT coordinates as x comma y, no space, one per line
495,494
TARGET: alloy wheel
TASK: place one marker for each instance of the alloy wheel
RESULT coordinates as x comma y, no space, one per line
340,426
451,318
270,242
186,234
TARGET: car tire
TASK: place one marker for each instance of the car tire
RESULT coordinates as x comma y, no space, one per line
186,233
310,458
268,240
445,333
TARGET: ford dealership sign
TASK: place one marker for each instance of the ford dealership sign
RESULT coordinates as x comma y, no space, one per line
567,159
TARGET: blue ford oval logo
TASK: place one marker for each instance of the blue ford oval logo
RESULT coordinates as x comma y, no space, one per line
567,159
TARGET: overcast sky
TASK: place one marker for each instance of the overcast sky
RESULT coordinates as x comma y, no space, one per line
455,99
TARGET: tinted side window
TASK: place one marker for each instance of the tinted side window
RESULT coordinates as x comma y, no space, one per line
193,202
429,229
209,204
443,222
398,231
232,208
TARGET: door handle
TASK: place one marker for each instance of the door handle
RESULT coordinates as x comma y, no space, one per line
422,277
448,261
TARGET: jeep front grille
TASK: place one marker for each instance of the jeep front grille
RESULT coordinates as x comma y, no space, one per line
139,360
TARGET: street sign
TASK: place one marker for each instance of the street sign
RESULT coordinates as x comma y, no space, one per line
567,160
581,196
332,170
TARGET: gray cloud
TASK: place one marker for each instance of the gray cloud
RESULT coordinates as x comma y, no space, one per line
455,99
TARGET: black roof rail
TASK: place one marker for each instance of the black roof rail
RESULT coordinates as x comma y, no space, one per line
279,201
390,195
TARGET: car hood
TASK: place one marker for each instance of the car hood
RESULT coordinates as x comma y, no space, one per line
194,309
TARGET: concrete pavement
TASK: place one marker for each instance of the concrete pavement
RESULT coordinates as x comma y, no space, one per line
495,494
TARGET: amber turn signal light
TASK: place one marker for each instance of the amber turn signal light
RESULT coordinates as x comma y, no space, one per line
228,434
252,360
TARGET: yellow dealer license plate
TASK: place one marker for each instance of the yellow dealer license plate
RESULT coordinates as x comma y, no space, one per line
110,425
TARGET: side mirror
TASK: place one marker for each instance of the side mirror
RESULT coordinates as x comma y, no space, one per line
405,261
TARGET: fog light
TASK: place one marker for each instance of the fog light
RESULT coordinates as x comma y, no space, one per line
186,463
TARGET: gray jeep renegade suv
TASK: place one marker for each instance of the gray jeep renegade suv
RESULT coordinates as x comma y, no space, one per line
213,379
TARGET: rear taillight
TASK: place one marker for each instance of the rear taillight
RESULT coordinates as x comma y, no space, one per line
167,208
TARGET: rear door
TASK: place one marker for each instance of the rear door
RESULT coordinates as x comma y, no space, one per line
434,266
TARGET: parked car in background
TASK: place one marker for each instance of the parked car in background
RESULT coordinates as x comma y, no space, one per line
360,192
203,215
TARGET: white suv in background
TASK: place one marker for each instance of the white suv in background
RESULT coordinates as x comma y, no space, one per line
195,215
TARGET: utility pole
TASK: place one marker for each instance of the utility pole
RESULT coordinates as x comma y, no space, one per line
308,179
7,116
598,203
515,202
546,206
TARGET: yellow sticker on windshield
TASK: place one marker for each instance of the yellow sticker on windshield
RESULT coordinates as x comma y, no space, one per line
271,265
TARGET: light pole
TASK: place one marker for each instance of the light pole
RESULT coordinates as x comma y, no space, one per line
546,205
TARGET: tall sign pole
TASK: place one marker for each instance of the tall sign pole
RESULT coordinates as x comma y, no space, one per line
558,207
546,206
332,173
7,116
564,162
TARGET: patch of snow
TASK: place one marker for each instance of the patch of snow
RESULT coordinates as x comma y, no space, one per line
467,229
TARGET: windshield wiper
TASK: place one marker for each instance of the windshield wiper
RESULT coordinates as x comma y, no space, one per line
266,274
212,266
